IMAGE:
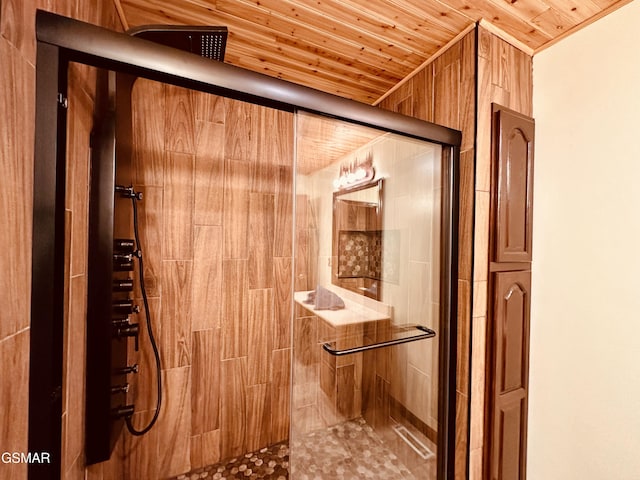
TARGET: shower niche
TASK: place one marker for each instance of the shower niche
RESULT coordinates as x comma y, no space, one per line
301,255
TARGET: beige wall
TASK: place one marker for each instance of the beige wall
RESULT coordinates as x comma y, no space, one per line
584,410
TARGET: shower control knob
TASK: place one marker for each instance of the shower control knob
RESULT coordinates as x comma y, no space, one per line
126,257
123,266
125,307
120,320
122,411
130,330
123,285
124,245
128,192
124,388
127,370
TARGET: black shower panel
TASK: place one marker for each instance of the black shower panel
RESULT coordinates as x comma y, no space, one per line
111,309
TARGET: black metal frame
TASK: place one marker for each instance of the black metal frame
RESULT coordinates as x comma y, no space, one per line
61,40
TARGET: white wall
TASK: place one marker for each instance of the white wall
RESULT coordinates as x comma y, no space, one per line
584,411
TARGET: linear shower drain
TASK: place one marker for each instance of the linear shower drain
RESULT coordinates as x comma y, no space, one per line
413,441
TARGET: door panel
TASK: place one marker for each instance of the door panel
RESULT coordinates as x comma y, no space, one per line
511,374
513,194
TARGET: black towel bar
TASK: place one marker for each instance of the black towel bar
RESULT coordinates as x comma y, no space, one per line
427,333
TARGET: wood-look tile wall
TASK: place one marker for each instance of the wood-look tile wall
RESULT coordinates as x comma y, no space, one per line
17,103
446,92
504,77
216,223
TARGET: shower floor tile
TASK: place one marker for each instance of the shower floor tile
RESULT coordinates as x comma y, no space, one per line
270,463
350,450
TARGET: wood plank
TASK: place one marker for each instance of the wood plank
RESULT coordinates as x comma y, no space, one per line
468,79
16,203
484,125
209,173
144,389
463,336
147,99
577,10
261,238
74,369
141,452
237,178
446,85
502,17
282,293
234,309
233,404
258,417
210,108
17,26
174,425
260,335
552,21
80,122
14,398
522,74
175,333
177,207
281,67
316,15
211,447
195,453
306,353
180,128
206,295
242,122
438,13
466,219
264,31
280,395
423,94
301,277
205,381
278,127
283,215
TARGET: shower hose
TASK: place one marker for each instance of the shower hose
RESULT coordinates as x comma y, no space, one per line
134,199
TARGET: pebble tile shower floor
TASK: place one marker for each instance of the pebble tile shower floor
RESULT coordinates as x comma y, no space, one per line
347,451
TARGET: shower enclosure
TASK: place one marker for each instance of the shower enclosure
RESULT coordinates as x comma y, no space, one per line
369,230
301,256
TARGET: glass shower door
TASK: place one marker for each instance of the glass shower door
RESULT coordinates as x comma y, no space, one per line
370,303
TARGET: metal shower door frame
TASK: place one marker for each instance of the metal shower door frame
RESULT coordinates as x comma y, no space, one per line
62,40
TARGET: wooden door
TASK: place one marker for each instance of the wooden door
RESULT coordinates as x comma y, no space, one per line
513,185
510,366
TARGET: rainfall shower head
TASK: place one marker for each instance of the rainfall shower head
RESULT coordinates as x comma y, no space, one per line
208,42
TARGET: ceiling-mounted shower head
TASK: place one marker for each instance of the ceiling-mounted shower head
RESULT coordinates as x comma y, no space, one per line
208,42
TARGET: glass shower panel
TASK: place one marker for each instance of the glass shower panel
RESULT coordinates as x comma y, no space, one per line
368,309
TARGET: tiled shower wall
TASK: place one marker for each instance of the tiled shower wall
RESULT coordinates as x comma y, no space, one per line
457,90
17,104
216,228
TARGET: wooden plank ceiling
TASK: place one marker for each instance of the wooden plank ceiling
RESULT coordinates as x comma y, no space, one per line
360,49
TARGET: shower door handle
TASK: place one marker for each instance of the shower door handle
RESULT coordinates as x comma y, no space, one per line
425,333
